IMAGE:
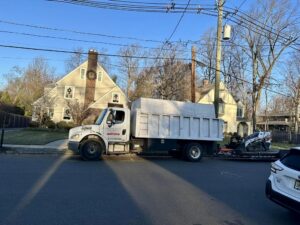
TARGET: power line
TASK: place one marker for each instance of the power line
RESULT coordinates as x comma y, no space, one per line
241,79
84,53
116,55
77,40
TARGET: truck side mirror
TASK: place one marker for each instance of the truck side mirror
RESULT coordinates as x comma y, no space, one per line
109,123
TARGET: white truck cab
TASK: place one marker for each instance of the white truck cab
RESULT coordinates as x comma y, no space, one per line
151,125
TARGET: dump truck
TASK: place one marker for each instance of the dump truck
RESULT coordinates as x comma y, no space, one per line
150,126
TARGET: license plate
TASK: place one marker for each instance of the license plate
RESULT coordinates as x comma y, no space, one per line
297,184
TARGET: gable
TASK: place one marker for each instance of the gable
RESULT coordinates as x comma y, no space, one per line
227,97
74,78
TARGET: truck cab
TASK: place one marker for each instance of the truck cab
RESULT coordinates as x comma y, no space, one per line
109,134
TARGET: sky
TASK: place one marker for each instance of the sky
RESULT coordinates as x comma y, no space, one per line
157,26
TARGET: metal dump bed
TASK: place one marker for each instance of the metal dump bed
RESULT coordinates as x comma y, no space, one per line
164,119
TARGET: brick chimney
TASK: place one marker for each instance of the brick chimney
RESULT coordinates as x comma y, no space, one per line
91,77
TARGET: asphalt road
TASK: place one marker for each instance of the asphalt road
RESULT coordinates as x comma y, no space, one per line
57,190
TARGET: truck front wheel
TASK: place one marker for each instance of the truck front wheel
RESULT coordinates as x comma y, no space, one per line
193,152
91,149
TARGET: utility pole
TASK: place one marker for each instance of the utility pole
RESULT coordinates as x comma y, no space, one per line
218,57
193,98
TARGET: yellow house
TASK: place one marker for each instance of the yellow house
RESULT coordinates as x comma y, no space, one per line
88,85
231,111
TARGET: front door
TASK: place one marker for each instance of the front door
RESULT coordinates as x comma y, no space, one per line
116,126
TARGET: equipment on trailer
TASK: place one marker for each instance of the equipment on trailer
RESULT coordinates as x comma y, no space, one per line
255,146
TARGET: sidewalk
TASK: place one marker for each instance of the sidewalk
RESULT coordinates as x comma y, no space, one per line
56,147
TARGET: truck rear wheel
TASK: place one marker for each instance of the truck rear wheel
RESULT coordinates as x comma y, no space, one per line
91,149
193,152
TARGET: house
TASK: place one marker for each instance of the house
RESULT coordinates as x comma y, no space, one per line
276,121
231,111
88,87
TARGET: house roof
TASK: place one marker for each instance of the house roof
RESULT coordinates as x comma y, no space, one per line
205,89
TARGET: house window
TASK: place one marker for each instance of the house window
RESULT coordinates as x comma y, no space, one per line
50,113
67,114
69,92
225,127
116,98
239,112
221,108
82,73
99,77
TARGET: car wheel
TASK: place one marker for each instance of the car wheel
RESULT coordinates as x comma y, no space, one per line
193,152
91,149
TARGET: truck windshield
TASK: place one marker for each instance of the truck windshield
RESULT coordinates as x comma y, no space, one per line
101,117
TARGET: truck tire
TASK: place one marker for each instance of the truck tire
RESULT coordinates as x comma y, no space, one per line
91,149
193,152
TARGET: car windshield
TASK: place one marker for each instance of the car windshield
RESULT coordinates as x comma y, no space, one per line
101,117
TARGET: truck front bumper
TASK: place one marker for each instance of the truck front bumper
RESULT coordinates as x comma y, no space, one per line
74,146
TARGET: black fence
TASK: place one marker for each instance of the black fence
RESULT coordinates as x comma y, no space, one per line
9,120
285,137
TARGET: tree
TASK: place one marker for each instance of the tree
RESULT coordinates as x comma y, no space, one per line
292,82
129,67
207,53
75,59
265,42
173,80
43,108
78,111
24,86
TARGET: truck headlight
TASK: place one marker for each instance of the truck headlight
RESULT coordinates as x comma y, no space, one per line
75,137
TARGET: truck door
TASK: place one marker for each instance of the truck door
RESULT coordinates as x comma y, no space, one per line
117,126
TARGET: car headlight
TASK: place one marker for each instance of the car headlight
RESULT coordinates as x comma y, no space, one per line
275,168
75,137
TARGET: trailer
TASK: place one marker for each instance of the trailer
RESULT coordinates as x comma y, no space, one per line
150,126
256,146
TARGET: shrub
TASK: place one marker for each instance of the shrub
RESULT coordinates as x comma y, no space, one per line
50,124
34,124
64,125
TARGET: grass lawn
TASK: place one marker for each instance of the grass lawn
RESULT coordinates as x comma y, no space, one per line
277,145
31,136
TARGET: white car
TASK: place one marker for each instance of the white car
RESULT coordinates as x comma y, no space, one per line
283,185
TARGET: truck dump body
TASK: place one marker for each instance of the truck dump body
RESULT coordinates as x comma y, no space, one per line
164,119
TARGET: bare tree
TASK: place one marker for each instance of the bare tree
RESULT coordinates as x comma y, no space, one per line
75,59
78,111
129,67
265,42
207,53
43,108
27,85
292,81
